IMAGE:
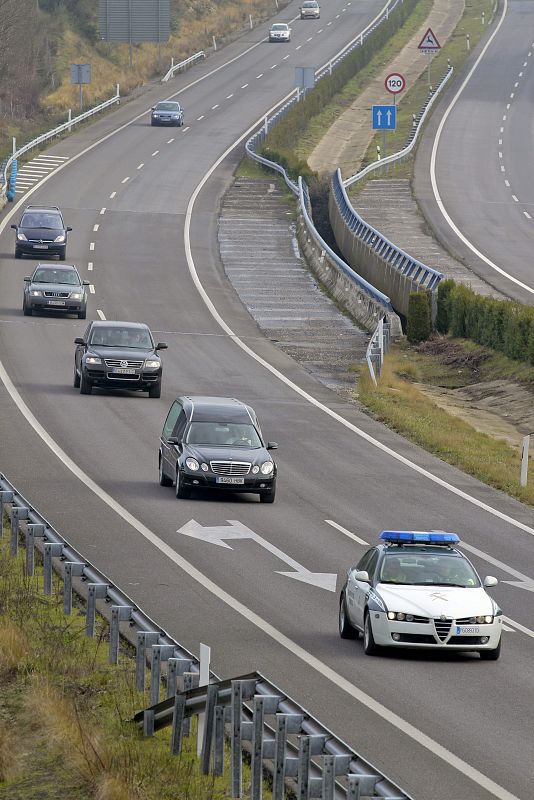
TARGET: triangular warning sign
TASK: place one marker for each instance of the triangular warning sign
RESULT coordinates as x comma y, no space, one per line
429,42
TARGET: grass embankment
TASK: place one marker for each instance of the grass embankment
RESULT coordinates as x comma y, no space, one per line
400,404
64,711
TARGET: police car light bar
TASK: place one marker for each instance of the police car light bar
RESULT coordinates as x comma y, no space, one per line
418,537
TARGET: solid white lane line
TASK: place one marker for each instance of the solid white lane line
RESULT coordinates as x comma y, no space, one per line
125,180
103,211
100,314
507,628
141,166
155,153
90,266
95,227
514,198
527,215
112,195
91,288
519,627
346,532
91,246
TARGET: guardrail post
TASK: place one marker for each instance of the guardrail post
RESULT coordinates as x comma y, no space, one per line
72,569
95,591
118,614
50,550
176,667
144,639
359,786
17,513
209,725
148,722
257,749
190,682
203,680
177,724
304,768
329,778
6,497
218,765
33,530
237,702
279,756
160,652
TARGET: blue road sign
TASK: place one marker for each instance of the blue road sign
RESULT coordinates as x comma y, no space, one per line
384,118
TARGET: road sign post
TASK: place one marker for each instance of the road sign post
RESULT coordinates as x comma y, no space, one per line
429,45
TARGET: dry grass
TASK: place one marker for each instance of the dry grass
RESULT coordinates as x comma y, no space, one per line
403,407
14,647
9,757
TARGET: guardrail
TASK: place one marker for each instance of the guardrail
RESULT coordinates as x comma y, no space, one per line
259,719
377,348
182,65
66,126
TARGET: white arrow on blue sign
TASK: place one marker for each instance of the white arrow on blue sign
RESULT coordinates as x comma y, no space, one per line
384,118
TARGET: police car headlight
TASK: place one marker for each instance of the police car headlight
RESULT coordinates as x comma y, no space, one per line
400,616
485,619
192,464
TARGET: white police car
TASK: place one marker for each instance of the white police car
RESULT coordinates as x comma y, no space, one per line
417,590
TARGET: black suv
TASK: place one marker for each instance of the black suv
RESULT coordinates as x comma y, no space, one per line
118,355
55,288
41,231
215,443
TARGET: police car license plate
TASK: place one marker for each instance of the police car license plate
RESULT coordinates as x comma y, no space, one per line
467,630
229,479
123,371
56,302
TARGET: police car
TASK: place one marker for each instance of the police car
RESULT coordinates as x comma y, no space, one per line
416,589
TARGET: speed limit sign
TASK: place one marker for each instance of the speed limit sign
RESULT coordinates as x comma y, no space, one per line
395,83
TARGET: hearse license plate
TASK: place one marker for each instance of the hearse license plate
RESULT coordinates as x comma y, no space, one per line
123,371
467,630
229,479
56,302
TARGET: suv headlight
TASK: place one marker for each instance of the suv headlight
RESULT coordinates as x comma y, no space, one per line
93,360
21,237
152,363
192,464
267,467
60,238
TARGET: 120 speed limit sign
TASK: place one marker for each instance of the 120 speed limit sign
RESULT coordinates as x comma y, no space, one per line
395,83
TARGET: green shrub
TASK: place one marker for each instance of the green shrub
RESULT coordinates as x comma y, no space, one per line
443,313
419,325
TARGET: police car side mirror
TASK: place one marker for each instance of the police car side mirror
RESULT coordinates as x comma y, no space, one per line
361,575
489,581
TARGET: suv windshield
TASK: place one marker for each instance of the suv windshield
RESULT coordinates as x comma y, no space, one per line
423,569
121,337
51,275
222,434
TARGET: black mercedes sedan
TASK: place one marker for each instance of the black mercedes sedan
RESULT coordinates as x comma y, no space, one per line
215,443
55,288
41,231
118,355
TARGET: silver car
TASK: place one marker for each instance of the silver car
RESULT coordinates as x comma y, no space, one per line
280,32
54,287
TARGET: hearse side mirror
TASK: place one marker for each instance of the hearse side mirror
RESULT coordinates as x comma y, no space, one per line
272,446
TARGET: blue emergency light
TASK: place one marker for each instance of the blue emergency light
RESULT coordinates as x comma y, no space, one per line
418,537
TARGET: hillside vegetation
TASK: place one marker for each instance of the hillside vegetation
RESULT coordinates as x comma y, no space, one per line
40,39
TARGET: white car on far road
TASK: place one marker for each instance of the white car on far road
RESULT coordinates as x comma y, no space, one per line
280,32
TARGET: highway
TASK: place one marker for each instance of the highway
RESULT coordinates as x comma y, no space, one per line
143,205
475,179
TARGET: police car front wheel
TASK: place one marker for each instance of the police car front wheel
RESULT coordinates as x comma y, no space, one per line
346,631
369,646
491,655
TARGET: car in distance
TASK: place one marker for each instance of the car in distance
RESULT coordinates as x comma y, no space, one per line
280,32
55,288
310,9
417,590
41,230
118,355
167,113
215,443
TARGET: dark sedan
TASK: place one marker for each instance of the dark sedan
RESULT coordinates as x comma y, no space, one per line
167,113
41,230
118,355
215,443
54,288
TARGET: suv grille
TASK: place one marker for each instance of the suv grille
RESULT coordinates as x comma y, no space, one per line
230,467
443,627
118,362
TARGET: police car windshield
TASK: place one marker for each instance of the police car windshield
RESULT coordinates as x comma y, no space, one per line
444,568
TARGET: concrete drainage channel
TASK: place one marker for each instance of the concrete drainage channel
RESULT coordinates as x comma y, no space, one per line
260,255
278,737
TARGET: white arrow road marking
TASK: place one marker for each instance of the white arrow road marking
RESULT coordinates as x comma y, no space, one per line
236,530
523,581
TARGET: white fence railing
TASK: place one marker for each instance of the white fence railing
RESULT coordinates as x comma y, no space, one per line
182,65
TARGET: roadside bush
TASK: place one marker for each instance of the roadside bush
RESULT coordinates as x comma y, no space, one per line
419,325
443,313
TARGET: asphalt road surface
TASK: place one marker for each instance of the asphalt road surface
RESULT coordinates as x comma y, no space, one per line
145,223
